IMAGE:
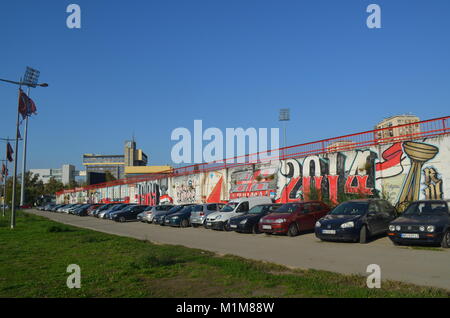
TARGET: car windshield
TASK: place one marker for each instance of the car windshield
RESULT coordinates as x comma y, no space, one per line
148,208
198,208
288,208
351,208
175,209
186,209
258,209
128,208
426,208
229,207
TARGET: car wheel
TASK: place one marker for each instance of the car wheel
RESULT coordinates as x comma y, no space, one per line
226,227
446,240
293,230
184,223
363,235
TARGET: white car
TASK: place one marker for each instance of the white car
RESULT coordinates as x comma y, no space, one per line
235,207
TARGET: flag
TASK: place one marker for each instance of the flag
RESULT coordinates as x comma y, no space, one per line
9,152
4,173
26,105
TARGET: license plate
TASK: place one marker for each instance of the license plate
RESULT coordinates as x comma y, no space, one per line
411,236
209,223
267,227
328,231
167,221
233,226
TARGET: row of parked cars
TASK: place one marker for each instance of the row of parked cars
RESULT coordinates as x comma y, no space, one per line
357,220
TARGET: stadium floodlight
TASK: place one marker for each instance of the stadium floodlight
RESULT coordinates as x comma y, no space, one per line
285,114
31,77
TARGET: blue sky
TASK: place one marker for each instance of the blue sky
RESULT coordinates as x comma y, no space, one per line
148,67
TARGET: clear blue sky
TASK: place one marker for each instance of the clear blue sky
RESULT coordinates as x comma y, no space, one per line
147,67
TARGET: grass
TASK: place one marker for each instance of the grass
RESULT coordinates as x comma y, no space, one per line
34,259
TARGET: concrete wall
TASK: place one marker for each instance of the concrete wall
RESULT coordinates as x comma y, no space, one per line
399,172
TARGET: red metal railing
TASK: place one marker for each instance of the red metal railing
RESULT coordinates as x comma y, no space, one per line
378,137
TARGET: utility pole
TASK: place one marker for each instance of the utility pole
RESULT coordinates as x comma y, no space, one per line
30,79
285,117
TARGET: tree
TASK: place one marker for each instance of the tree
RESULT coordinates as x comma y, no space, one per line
53,186
109,176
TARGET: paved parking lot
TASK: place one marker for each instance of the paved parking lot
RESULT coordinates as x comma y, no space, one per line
422,267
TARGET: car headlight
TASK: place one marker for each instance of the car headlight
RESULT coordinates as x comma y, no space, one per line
318,224
243,221
392,228
430,228
398,228
280,221
422,229
218,217
175,217
348,225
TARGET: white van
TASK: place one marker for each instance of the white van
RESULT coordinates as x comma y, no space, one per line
235,207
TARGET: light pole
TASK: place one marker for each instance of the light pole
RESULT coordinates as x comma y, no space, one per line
285,117
30,80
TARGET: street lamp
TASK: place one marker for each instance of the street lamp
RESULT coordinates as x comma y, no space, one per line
30,79
285,116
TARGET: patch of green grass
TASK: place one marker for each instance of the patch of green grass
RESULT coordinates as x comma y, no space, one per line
34,259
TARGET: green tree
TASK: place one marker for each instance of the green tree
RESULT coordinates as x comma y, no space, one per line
109,177
53,186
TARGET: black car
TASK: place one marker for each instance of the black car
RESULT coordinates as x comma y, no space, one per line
248,223
356,220
128,213
423,222
82,210
160,217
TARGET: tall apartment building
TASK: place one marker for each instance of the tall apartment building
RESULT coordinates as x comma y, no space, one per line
399,131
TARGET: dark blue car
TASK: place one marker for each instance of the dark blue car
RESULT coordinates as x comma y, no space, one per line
181,218
356,221
160,217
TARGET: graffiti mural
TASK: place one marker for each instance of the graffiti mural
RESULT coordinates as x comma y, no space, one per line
399,172
433,184
253,181
320,177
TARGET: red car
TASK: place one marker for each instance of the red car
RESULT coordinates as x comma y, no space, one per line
293,218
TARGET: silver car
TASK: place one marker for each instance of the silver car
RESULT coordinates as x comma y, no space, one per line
201,211
149,213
